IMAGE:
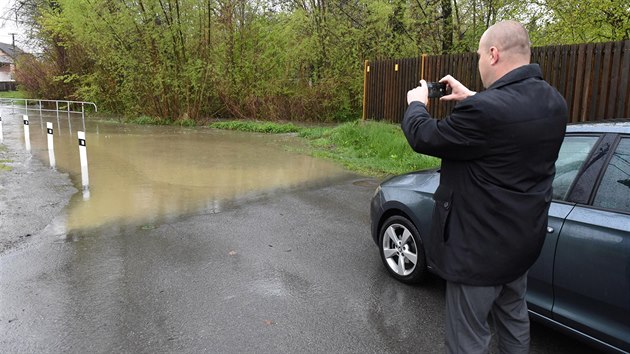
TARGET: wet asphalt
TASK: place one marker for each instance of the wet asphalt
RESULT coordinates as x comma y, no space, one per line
286,271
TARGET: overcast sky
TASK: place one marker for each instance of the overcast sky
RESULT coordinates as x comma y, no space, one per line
8,25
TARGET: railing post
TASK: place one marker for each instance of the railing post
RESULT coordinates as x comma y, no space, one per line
69,121
57,111
83,114
69,110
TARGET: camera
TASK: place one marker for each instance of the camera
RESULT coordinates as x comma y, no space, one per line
436,89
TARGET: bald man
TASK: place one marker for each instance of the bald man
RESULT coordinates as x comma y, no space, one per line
498,149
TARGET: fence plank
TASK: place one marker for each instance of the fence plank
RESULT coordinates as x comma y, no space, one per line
572,72
593,78
595,83
555,67
579,88
614,79
623,111
587,83
603,97
561,85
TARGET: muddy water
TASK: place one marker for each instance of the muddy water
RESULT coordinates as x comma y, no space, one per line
146,174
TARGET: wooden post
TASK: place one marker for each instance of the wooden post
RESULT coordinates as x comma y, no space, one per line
366,69
424,56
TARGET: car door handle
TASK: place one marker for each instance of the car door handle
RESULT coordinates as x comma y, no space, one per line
549,229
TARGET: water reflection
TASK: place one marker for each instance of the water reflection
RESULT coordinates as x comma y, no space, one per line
148,173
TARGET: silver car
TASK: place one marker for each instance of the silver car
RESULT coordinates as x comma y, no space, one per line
580,284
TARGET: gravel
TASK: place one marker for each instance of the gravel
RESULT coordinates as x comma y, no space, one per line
31,195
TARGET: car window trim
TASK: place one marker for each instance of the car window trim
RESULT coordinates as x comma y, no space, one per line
614,211
571,198
614,146
565,202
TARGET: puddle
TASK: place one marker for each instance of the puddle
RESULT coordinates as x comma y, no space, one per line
146,174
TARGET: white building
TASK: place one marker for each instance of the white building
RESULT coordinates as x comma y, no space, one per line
8,55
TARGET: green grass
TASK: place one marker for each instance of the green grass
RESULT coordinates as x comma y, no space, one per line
146,120
257,127
368,147
3,162
4,167
13,94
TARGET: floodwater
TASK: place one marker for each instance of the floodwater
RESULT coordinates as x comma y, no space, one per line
245,270
148,174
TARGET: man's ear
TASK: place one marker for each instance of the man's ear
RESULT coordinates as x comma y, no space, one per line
494,55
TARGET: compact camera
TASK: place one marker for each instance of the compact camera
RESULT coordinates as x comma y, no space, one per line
436,89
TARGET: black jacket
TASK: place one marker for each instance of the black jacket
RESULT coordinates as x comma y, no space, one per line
498,151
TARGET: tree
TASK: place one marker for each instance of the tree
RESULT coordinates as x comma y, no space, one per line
578,21
280,59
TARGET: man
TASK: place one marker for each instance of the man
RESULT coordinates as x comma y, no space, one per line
498,150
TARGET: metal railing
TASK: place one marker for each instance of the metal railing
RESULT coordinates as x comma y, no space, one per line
65,106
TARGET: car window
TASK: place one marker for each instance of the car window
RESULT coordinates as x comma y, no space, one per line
614,189
573,153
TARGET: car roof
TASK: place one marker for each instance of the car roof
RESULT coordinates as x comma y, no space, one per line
604,126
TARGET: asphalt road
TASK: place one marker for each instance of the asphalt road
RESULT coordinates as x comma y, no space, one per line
290,271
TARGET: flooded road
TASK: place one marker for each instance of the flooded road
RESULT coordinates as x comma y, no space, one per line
146,174
186,246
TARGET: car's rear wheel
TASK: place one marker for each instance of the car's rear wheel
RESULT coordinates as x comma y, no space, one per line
402,251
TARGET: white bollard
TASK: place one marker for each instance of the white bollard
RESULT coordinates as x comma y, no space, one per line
1,134
51,145
27,134
84,163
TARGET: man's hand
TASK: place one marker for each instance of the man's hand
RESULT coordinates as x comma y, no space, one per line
420,93
458,91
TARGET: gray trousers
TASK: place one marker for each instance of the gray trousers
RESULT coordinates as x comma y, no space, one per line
467,311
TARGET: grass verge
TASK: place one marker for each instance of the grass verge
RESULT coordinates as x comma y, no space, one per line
13,94
372,148
4,167
258,127
3,162
146,120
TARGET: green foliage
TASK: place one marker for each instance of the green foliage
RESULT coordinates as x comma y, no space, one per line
194,60
187,122
4,167
14,94
380,148
258,127
369,147
3,162
146,120
578,21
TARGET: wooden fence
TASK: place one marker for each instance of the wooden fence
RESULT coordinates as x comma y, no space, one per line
593,78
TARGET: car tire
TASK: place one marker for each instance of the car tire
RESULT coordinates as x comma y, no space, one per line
402,250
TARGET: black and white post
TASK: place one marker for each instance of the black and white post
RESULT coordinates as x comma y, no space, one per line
84,162
27,133
51,145
1,134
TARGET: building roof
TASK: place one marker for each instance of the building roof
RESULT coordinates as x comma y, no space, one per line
10,50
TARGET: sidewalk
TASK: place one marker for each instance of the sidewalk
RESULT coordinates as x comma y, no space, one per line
31,195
